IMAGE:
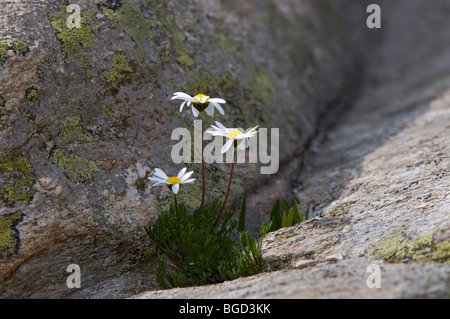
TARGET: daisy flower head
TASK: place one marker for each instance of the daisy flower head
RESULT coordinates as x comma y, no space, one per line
233,135
200,103
174,182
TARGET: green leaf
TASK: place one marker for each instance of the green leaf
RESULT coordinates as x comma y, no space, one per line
298,218
283,220
275,217
264,229
290,218
285,205
242,214
309,213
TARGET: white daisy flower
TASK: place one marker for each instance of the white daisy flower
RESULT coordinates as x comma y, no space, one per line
172,182
199,103
233,135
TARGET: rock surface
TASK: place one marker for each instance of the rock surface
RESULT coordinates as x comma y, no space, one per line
378,181
85,118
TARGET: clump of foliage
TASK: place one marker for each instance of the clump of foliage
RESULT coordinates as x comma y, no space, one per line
288,216
196,253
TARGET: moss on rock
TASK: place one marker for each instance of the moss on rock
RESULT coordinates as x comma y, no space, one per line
174,33
107,111
31,95
398,247
77,167
19,47
131,20
19,179
75,42
9,236
70,130
119,68
3,51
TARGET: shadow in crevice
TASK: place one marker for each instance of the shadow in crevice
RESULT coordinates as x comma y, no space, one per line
400,79
399,85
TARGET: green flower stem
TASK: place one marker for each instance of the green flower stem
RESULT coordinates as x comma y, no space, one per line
228,191
176,204
203,165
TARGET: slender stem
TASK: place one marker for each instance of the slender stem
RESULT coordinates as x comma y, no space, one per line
176,205
203,165
226,195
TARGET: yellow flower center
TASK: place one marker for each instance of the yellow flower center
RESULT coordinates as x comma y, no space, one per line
200,97
234,133
173,180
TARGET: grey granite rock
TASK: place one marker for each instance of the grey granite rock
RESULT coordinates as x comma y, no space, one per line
86,116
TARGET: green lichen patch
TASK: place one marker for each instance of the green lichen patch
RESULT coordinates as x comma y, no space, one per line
19,47
75,42
70,130
119,68
18,176
107,111
31,95
40,73
9,236
173,32
77,167
398,247
3,51
27,114
46,137
131,20
2,101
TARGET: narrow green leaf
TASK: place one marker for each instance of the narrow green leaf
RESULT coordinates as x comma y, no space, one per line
275,217
298,218
309,213
290,218
283,220
285,205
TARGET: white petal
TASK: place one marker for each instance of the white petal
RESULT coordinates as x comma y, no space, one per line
217,100
219,108
161,183
221,127
195,111
161,174
186,176
182,106
244,144
181,172
215,128
189,181
210,110
175,188
182,95
155,179
253,129
226,146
